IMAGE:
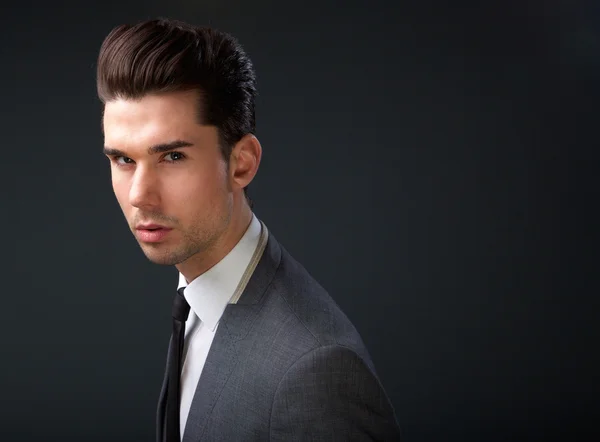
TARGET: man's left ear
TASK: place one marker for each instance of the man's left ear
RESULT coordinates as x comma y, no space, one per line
244,160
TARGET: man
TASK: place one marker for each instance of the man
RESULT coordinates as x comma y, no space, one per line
259,351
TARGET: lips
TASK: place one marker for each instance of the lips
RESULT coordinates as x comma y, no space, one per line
149,227
151,232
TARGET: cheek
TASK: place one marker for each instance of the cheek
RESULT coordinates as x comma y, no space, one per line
213,176
206,189
121,190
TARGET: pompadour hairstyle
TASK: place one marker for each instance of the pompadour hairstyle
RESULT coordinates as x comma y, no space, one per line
165,55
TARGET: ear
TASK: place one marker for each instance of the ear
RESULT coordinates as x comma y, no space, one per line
244,161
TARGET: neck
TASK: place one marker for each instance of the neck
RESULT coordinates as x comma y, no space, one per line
200,263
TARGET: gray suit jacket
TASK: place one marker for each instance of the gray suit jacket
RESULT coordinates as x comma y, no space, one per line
286,364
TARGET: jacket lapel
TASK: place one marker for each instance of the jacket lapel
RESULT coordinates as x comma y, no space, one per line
228,342
162,401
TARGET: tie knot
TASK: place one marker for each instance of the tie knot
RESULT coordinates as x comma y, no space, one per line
181,308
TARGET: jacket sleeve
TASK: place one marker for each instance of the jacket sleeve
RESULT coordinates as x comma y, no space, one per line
330,394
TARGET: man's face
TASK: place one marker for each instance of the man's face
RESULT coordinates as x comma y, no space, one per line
168,173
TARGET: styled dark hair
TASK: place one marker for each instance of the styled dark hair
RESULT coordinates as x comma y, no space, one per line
166,55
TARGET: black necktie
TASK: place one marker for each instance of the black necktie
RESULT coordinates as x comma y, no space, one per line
180,313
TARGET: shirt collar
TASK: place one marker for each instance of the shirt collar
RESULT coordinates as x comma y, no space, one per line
209,294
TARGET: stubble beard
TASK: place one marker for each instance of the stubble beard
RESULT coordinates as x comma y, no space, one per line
172,254
196,241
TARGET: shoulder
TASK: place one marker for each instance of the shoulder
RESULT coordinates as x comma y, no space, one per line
332,390
311,303
333,359
301,306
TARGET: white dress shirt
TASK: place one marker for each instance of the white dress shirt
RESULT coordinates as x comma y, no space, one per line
208,296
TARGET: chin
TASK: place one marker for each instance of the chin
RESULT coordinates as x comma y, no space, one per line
161,257
162,260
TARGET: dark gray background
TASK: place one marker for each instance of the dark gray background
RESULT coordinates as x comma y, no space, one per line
433,166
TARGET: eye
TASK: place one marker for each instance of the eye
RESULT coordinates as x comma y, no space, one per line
120,160
174,156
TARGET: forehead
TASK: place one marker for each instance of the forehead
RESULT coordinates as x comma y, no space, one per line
151,118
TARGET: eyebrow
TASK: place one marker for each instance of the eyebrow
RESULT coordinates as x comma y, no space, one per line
158,148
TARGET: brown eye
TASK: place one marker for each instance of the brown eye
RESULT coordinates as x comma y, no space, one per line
174,156
123,160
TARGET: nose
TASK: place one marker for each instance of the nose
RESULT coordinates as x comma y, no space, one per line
144,190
